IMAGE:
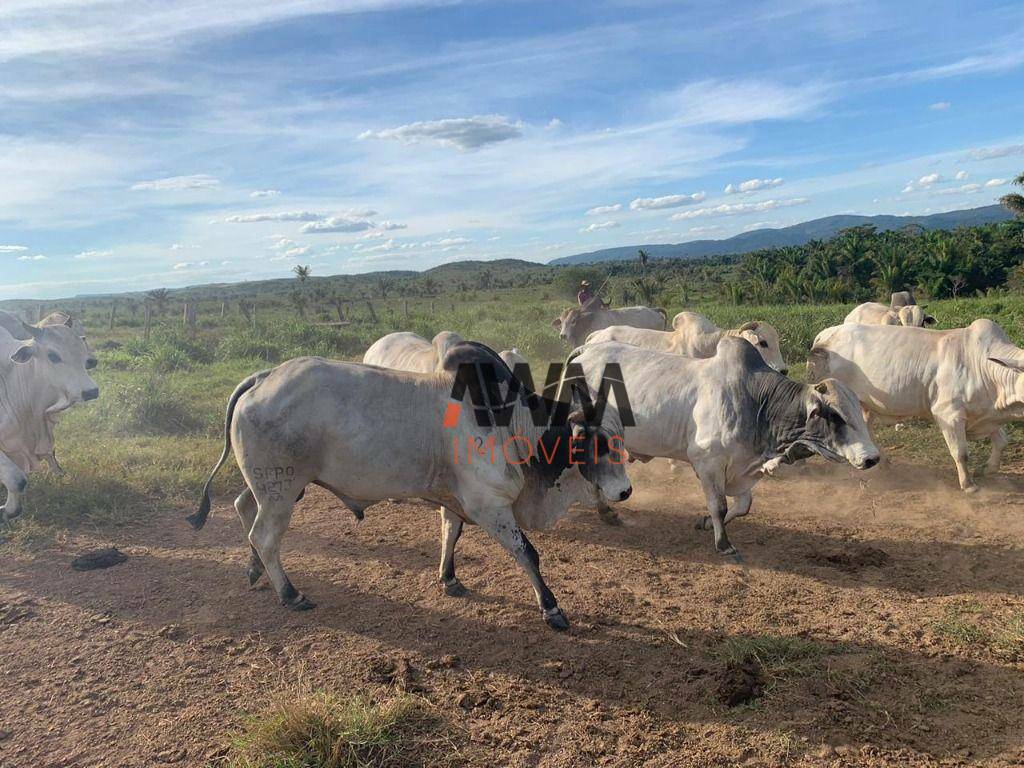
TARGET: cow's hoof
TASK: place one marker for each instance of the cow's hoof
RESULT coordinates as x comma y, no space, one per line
972,488
453,588
609,516
301,603
253,575
728,551
556,619
6,515
704,524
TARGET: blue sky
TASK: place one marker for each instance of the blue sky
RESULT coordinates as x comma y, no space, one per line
177,142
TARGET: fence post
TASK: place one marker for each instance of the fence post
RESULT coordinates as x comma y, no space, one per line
405,308
113,308
373,315
190,318
148,311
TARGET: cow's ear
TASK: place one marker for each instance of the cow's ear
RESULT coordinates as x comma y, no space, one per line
556,322
929,320
753,325
1013,365
23,354
821,388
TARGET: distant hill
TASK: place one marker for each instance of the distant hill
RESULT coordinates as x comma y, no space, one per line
797,234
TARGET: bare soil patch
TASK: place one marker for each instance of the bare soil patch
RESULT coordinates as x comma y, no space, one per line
830,646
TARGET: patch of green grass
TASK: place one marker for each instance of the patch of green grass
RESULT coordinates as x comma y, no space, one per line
325,731
956,626
1009,638
777,656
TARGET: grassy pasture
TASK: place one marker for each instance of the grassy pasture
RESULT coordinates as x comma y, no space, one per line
145,446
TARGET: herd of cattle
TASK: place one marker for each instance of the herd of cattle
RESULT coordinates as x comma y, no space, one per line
390,427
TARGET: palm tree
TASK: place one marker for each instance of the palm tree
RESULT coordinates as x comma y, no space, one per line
159,298
1014,202
302,272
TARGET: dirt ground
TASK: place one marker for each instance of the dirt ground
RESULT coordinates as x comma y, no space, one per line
156,661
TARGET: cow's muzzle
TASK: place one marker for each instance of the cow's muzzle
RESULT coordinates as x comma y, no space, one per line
90,394
869,462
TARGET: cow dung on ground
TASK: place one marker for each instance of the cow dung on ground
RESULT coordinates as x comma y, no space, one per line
99,558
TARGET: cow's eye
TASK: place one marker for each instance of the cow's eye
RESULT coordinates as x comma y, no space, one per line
54,357
763,344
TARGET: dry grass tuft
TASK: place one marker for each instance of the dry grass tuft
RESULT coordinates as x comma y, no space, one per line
324,731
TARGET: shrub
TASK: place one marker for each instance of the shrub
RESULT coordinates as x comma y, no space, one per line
147,407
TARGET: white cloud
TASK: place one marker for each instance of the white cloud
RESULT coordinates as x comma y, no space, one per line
449,242
939,106
265,193
737,209
336,224
705,229
922,183
13,248
253,218
752,185
294,253
668,201
37,257
178,183
744,101
93,254
595,227
960,175
389,226
465,133
189,265
990,153
553,123
602,210
964,189
996,182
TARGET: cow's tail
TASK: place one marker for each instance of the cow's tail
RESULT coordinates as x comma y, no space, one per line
198,519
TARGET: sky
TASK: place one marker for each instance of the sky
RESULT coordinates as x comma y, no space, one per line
164,143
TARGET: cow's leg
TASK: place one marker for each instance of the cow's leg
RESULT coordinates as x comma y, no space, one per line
272,518
608,515
999,441
501,524
451,530
955,434
245,506
740,507
55,467
14,480
717,511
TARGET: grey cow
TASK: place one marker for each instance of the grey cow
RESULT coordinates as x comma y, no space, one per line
731,417
367,434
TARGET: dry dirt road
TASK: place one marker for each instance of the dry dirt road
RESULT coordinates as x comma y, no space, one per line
879,577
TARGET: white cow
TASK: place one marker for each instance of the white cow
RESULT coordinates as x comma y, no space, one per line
576,323
693,335
39,377
731,417
368,433
874,313
22,331
967,380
